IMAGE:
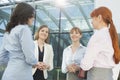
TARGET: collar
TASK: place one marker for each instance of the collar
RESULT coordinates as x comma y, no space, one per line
80,46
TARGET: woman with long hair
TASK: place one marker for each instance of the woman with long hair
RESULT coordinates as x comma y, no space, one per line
43,53
102,52
18,45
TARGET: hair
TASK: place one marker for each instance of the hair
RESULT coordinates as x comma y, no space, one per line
36,37
20,15
76,29
107,18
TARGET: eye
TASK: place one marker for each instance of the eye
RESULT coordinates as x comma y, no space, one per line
42,30
46,31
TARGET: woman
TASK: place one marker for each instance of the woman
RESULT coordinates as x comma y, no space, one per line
102,52
72,55
18,46
43,53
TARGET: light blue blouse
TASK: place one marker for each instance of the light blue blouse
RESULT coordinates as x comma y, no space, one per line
69,57
17,51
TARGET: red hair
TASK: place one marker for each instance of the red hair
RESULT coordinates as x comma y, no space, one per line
107,18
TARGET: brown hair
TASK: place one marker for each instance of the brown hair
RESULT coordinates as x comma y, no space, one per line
107,18
20,15
76,29
36,37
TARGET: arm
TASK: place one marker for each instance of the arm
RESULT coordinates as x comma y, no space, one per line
3,56
64,66
27,46
91,53
3,52
50,66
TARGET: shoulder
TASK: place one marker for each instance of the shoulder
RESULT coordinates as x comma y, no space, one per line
83,47
35,42
67,48
48,45
21,29
99,33
66,51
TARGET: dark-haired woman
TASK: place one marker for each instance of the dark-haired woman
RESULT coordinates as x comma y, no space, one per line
18,46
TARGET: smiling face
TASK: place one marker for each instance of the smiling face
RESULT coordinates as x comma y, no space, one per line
43,33
75,35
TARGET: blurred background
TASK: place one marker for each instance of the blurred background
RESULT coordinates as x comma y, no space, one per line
60,16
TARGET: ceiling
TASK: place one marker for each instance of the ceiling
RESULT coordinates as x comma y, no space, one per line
74,13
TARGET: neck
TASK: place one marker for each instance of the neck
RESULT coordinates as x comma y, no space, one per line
102,25
41,42
76,44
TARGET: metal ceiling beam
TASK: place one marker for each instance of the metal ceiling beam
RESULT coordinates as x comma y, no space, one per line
1,22
4,15
49,15
39,20
5,24
68,17
84,15
2,31
92,0
32,2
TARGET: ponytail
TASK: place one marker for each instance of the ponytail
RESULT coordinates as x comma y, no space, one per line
107,18
115,42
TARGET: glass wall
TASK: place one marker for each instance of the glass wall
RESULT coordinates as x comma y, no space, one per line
60,20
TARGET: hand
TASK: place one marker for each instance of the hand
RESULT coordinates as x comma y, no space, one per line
70,68
81,74
37,65
43,66
76,67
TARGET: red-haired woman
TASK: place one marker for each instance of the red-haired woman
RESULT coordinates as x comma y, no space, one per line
102,52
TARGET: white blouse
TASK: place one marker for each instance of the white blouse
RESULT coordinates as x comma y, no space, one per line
99,52
70,58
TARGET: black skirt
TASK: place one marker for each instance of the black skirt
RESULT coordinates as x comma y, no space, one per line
38,75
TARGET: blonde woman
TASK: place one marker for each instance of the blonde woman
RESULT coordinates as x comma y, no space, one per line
43,53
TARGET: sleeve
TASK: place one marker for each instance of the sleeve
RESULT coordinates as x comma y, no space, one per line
64,70
51,58
91,53
3,52
84,50
28,47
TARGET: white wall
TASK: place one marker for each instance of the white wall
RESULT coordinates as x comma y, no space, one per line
114,6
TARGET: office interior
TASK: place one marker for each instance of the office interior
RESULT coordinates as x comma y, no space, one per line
60,16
